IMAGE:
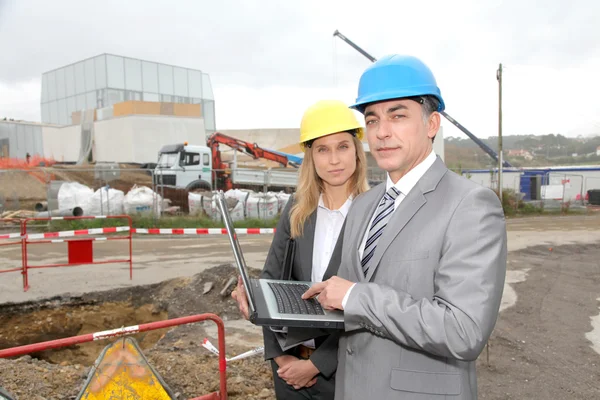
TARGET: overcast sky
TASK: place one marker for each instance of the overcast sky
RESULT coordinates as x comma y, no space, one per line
270,59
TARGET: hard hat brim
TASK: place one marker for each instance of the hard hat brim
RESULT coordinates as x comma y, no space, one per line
360,134
396,95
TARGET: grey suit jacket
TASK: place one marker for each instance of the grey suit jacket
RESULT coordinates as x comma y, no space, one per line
416,324
325,357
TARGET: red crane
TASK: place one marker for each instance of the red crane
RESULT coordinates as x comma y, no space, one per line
221,169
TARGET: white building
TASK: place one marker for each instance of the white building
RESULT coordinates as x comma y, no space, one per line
114,109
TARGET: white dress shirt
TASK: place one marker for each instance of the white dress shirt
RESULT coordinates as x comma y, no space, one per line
327,230
404,186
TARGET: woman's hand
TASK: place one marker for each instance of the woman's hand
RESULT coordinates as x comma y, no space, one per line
298,373
239,295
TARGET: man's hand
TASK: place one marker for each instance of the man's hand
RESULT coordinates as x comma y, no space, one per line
329,293
298,373
239,295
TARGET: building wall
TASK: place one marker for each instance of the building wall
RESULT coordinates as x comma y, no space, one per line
79,86
20,138
62,143
137,139
113,140
438,144
108,79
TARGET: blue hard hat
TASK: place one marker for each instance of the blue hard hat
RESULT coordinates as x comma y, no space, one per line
396,76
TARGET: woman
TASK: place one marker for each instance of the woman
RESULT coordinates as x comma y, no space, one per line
332,174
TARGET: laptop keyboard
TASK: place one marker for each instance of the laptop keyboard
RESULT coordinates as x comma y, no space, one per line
289,299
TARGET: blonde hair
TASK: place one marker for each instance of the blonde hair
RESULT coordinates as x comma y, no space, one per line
310,186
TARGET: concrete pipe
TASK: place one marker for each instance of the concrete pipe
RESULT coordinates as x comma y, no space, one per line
41,206
71,212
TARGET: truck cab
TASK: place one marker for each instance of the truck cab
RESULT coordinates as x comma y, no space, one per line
184,166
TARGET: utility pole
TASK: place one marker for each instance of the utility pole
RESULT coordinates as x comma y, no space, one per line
499,78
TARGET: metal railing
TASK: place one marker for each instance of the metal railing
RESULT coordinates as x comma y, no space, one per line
131,330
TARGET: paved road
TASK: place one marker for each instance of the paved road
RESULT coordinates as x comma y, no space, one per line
161,258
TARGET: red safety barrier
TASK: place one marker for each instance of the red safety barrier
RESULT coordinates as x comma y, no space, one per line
131,330
203,231
14,239
79,251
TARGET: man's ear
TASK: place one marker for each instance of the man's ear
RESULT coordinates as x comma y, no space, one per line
433,124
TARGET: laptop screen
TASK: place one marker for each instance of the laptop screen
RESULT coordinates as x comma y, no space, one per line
237,250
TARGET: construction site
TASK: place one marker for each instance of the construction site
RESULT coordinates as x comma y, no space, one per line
550,295
95,306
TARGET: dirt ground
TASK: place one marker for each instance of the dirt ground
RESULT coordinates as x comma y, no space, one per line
177,355
541,347
21,189
538,349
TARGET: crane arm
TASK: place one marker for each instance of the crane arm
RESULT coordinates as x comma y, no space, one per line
355,46
251,149
474,138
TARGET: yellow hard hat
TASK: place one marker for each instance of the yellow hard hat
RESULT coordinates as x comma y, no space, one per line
326,117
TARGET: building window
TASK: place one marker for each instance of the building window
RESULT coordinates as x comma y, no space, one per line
101,98
115,96
131,95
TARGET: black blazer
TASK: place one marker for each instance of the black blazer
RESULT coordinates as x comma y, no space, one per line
325,356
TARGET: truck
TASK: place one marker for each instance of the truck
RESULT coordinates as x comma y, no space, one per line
198,168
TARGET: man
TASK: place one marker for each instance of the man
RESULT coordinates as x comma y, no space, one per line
424,255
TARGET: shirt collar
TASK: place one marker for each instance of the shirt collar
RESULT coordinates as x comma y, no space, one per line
342,210
408,181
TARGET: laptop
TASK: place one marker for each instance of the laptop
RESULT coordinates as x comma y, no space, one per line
277,302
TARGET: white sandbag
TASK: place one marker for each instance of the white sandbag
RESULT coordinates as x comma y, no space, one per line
237,213
73,194
105,201
210,207
261,206
195,203
142,200
282,199
240,195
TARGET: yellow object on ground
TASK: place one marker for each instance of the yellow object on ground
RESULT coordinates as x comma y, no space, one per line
122,372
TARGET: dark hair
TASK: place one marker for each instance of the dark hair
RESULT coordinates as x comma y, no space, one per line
429,104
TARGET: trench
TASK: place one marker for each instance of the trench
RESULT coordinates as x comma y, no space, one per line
33,323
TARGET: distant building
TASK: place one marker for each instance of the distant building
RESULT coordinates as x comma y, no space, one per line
18,138
118,109
598,151
520,153
105,80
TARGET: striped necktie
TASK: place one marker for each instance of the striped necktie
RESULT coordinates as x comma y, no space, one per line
383,215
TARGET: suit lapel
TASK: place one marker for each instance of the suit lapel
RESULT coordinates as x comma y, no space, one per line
407,209
309,238
336,257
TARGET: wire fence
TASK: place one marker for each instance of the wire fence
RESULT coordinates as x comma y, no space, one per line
111,189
